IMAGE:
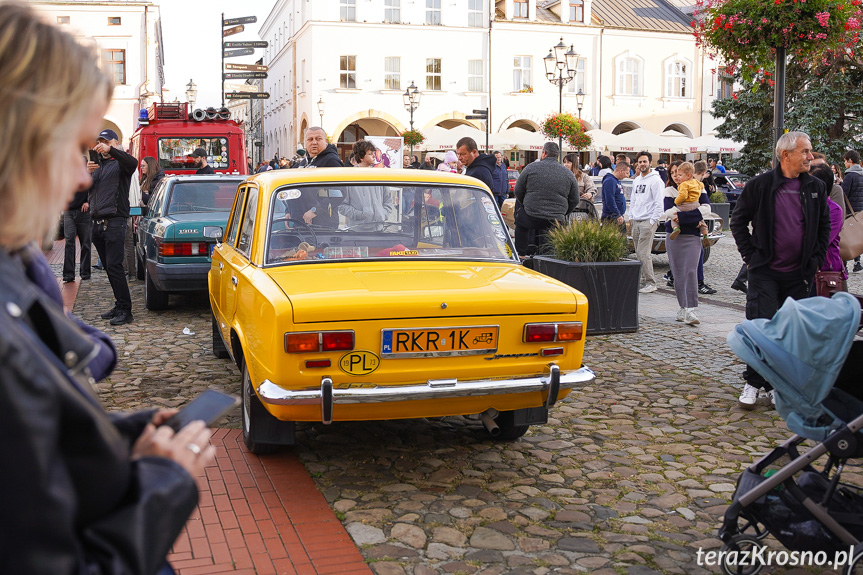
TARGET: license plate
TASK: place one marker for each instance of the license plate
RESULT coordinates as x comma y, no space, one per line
439,342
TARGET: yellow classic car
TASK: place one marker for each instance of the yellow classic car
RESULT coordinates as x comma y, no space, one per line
370,294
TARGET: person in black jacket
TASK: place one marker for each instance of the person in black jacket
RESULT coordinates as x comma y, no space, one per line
312,207
77,224
852,185
151,175
790,220
83,491
479,166
109,208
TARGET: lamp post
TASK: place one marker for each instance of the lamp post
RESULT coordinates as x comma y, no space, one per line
191,92
579,101
412,102
321,110
560,68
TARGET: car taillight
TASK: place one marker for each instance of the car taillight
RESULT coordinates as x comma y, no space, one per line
317,341
546,332
183,248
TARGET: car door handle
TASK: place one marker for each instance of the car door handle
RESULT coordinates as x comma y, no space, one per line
234,280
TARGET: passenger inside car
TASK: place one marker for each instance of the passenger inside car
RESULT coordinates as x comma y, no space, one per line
366,208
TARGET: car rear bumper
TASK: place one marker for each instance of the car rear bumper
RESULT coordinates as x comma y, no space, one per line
179,277
330,393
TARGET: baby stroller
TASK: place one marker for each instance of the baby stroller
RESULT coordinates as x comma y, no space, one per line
802,352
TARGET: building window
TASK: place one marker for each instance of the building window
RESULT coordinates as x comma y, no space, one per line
474,13
628,77
725,88
519,8
433,12
348,71
475,75
114,63
63,19
302,85
113,20
578,83
677,80
521,78
576,10
433,74
392,73
348,10
392,11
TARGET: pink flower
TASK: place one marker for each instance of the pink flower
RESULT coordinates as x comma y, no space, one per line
823,18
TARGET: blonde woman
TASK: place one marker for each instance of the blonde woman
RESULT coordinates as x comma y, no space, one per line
84,491
586,190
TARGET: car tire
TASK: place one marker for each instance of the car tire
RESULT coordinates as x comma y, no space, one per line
257,421
154,299
219,349
706,253
509,431
139,267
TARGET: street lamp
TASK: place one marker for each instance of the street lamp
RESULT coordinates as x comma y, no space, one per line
321,110
412,102
560,68
191,93
579,101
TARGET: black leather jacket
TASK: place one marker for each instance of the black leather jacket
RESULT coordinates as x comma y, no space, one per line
71,500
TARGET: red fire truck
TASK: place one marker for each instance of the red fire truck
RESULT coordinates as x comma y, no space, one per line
168,132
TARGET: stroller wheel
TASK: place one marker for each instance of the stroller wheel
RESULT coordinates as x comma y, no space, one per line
856,565
742,562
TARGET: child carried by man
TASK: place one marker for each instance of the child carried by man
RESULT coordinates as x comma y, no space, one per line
688,193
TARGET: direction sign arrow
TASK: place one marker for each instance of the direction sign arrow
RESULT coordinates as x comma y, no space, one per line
232,31
483,111
247,96
243,75
241,87
249,44
243,20
483,117
249,67
240,52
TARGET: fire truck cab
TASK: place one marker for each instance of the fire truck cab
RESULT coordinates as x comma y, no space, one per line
169,133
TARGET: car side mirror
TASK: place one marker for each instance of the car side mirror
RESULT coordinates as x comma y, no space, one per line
215,232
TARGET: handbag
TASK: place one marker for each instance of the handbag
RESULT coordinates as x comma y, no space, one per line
851,237
827,283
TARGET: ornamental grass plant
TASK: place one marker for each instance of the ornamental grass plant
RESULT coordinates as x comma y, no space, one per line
587,241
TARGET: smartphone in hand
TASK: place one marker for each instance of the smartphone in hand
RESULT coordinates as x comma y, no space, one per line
209,407
94,156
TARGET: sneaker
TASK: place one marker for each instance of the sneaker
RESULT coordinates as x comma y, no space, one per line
110,313
670,282
706,289
857,267
648,288
772,397
739,285
681,314
690,318
748,397
674,233
122,317
68,280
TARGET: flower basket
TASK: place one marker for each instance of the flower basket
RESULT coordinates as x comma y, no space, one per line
413,137
750,31
568,127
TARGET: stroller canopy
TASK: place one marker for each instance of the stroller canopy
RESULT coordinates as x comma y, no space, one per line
801,352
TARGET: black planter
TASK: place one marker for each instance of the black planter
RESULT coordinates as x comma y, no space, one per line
724,212
611,289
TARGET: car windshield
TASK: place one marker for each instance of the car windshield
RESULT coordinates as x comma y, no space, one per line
738,181
512,174
323,223
174,152
214,196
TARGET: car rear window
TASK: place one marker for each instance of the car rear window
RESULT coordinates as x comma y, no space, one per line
335,222
214,196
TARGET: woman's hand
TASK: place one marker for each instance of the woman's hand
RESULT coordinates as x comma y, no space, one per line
163,415
190,447
587,196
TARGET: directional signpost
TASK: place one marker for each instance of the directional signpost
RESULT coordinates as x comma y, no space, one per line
481,115
241,87
230,27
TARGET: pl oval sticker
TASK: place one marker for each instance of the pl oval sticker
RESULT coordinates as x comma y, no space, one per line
359,362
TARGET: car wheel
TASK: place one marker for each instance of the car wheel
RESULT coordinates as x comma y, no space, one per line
706,253
257,421
153,298
139,268
509,431
219,349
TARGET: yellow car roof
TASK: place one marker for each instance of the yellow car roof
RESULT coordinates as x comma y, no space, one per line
276,178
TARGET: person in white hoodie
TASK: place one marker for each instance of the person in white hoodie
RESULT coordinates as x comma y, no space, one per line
645,209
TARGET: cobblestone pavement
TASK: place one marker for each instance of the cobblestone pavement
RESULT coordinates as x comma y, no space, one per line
630,475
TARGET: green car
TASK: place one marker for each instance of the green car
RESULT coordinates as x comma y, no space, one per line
178,231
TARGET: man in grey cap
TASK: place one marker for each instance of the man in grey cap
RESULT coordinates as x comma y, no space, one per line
200,157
